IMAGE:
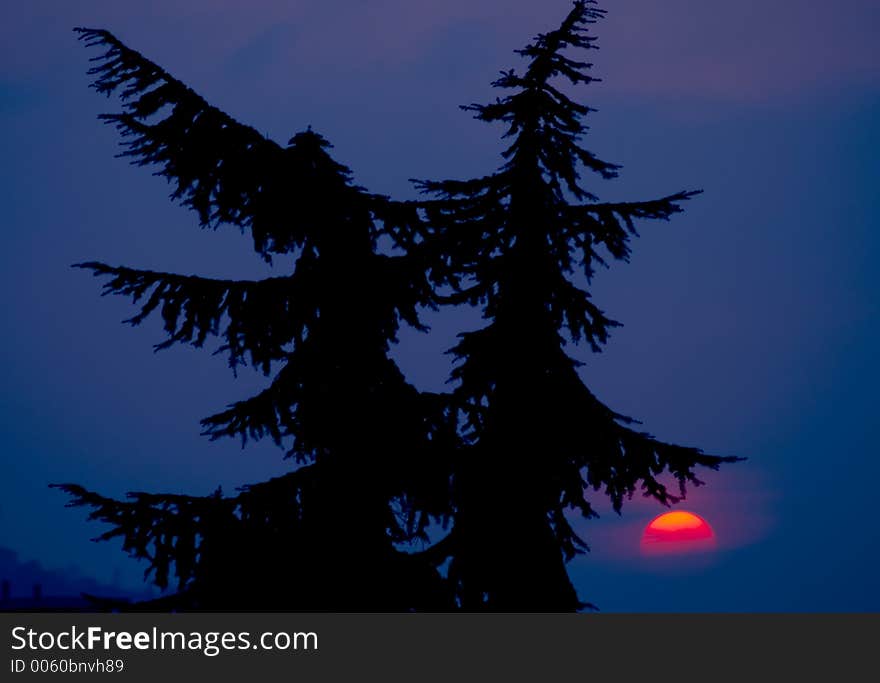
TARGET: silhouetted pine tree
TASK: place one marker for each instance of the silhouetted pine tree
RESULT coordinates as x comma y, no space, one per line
511,242
368,444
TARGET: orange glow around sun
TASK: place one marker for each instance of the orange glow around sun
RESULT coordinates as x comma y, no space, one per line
677,532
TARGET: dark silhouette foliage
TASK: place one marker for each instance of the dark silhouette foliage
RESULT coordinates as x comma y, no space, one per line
505,458
363,437
513,243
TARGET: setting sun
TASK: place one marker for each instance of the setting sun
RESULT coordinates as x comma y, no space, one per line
677,532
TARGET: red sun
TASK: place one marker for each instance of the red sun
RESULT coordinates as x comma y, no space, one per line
677,532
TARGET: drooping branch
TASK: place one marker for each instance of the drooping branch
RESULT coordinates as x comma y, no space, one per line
200,541
256,319
612,224
166,530
271,412
224,170
178,535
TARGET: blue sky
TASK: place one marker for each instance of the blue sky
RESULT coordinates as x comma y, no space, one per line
750,321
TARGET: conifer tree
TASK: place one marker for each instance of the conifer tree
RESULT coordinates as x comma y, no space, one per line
374,455
367,444
514,243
